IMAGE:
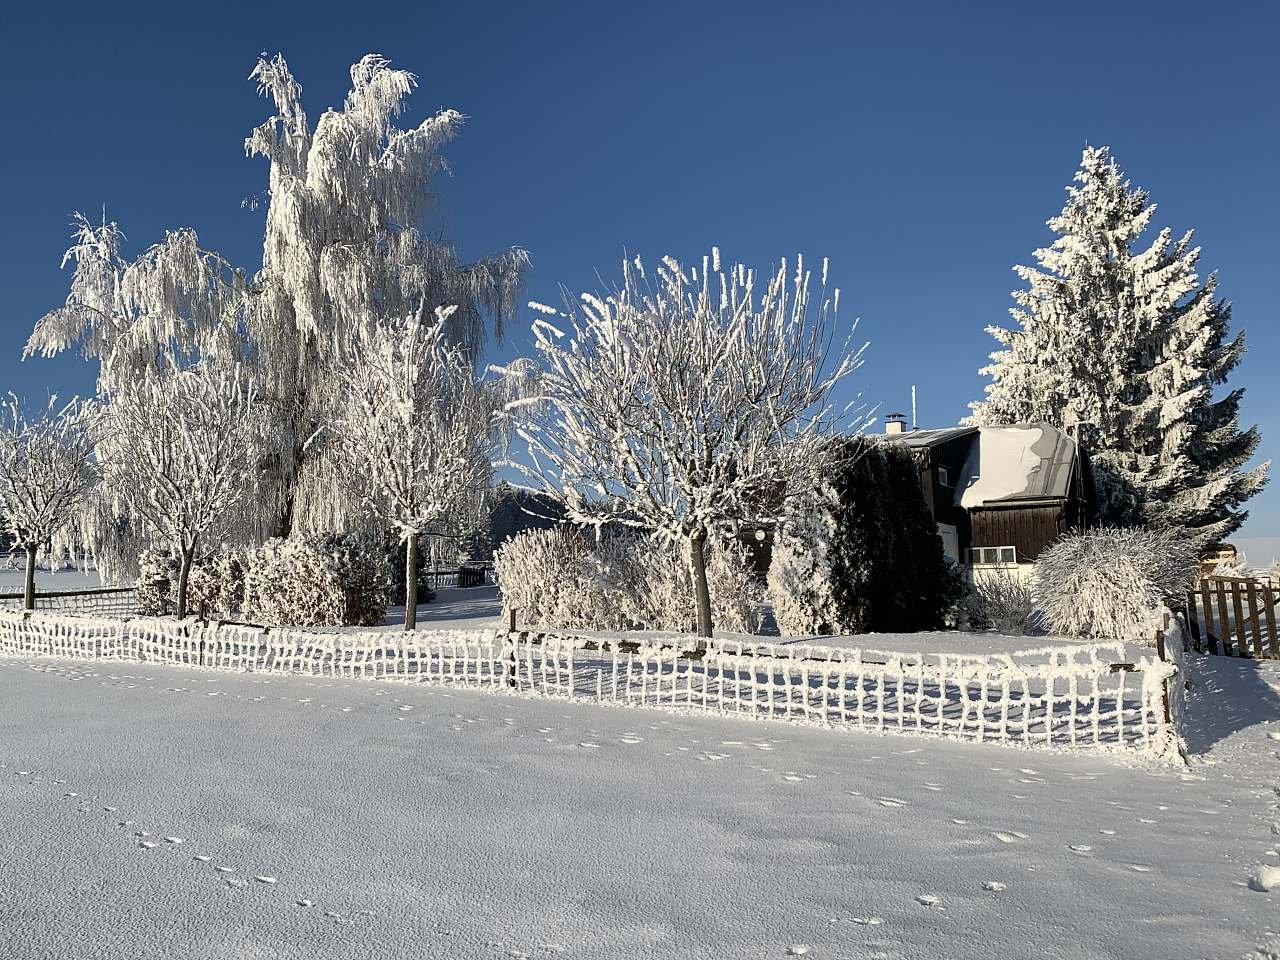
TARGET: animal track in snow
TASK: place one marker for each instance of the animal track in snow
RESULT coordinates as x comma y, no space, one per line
1008,836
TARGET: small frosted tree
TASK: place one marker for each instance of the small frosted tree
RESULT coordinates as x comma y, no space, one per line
686,407
414,427
47,467
180,455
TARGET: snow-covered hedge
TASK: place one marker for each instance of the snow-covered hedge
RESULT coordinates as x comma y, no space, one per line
319,580
999,599
1112,583
156,584
216,586
563,579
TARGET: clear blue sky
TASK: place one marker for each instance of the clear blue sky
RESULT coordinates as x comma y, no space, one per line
920,146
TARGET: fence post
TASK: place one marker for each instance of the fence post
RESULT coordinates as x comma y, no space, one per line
511,620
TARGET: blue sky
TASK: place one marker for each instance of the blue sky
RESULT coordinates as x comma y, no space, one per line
919,146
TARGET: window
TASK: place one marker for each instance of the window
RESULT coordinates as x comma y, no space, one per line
944,478
993,556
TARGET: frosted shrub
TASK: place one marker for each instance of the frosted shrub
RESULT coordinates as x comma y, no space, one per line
563,578
1000,600
663,587
1112,583
320,580
216,585
157,581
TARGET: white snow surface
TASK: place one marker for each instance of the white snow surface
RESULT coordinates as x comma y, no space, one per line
405,821
1000,465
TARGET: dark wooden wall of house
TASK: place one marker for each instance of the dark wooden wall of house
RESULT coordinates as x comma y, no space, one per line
950,454
1029,528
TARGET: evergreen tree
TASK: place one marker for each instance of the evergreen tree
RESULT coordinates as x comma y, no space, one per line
863,554
1123,348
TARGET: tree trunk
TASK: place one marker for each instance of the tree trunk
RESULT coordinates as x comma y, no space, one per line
184,571
411,582
701,592
29,588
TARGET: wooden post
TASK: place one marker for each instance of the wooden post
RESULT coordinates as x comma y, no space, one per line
1269,604
1254,623
1243,648
1193,622
1224,623
511,620
1207,606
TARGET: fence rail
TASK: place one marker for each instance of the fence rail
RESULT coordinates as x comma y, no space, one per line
93,602
1071,697
1234,616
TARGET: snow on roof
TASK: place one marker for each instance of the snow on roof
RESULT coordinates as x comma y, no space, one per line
1031,462
927,438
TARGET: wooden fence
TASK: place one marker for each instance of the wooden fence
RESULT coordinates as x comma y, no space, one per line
1234,616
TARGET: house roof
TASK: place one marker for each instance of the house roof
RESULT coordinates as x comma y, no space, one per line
1011,464
927,438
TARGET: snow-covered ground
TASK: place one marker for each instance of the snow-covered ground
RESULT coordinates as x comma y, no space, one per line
12,579
390,820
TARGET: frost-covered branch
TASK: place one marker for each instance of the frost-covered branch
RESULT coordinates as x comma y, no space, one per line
414,427
47,467
180,458
687,406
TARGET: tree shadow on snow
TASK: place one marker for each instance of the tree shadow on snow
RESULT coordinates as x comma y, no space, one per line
1228,694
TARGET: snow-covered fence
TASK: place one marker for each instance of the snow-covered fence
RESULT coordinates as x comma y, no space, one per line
1088,697
97,602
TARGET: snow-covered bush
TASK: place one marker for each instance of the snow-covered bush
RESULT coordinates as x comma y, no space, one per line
862,552
316,580
216,585
1113,582
563,578
1001,600
156,584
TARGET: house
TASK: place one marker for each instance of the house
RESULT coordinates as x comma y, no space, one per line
1000,495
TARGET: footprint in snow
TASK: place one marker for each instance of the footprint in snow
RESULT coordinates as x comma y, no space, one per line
1139,868
174,840
266,880
1080,848
995,886
146,844
631,740
891,802
1010,836
867,921
928,900
792,777
588,745
201,858
798,950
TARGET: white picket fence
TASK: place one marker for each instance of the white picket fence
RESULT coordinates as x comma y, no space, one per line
1069,696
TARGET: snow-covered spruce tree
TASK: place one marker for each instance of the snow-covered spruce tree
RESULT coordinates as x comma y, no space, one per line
179,455
346,242
861,552
687,406
47,467
1124,348
414,429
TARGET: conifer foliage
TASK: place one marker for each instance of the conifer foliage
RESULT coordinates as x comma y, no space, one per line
1124,347
863,553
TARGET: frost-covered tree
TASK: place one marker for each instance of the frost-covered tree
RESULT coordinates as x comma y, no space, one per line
415,429
174,304
1124,347
179,455
47,467
346,244
348,240
688,406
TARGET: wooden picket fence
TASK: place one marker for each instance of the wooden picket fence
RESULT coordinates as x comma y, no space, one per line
1234,617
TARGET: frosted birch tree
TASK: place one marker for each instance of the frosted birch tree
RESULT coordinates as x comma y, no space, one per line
179,459
415,429
346,242
348,239
47,468
688,406
1125,348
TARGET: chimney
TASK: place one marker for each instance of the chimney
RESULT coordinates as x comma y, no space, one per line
895,423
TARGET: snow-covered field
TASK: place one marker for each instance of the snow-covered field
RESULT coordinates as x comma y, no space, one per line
366,819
